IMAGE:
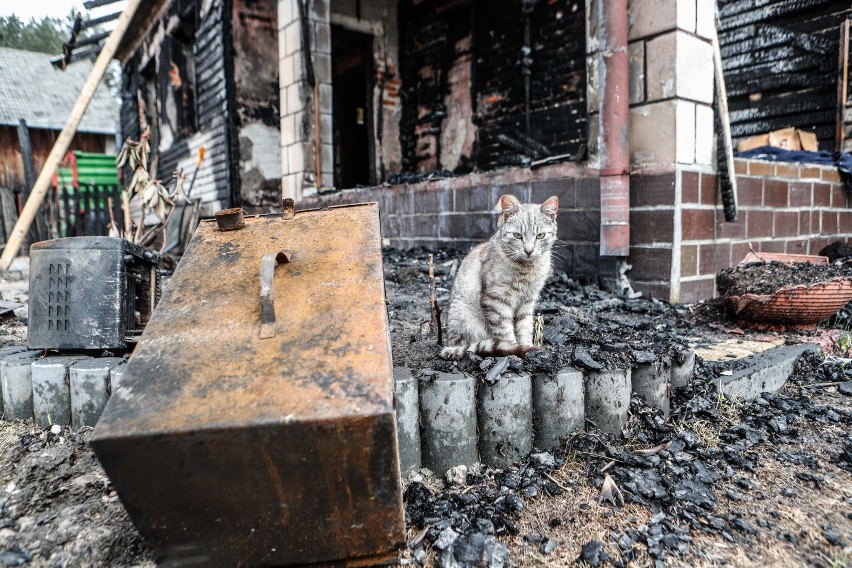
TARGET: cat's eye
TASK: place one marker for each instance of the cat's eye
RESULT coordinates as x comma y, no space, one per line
540,236
517,235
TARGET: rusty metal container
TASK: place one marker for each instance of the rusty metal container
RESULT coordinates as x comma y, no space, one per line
254,423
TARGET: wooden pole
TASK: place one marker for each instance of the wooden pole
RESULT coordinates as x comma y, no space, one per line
62,143
727,173
842,84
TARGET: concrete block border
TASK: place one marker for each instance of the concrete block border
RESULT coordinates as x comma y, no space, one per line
66,390
450,419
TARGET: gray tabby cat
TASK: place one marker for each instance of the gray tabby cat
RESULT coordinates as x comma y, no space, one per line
498,283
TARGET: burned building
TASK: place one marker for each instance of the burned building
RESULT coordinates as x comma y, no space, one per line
435,108
199,74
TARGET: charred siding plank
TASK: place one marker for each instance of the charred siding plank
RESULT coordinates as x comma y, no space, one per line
780,61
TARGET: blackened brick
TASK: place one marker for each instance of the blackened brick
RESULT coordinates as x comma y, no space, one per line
482,225
454,225
786,223
477,198
656,226
758,224
749,191
698,224
588,193
653,189
425,225
521,190
650,263
565,189
800,194
587,260
579,224
775,193
714,257
433,201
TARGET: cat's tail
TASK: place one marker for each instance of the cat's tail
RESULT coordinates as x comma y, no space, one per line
488,347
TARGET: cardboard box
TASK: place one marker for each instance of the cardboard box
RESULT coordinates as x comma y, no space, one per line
790,138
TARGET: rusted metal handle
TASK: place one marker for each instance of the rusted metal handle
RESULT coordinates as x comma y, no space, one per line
267,293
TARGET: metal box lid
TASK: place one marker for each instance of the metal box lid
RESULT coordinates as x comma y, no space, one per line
225,445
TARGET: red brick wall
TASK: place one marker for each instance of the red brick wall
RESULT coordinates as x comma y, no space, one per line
782,208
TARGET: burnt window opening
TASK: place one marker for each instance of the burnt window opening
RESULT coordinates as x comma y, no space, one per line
514,75
353,75
177,82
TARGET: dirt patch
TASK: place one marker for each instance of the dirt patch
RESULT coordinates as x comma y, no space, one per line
57,507
766,278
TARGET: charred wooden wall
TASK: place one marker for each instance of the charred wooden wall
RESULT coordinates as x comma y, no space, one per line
556,69
208,115
11,166
780,61
257,98
481,45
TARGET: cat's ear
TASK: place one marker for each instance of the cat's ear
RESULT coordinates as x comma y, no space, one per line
550,207
510,205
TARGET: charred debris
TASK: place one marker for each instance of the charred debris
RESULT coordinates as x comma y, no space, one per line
689,472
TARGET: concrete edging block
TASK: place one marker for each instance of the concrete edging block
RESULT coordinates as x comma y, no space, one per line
448,414
558,406
90,389
505,419
16,378
407,411
767,371
608,399
52,389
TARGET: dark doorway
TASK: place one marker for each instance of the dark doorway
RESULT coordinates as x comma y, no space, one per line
352,93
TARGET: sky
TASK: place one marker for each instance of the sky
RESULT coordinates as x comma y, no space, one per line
38,8
27,9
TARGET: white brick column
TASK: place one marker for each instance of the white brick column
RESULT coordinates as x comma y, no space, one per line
299,122
671,82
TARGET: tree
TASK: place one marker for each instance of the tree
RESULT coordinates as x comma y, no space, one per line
44,36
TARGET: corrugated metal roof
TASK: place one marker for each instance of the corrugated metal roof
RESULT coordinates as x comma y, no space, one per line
33,89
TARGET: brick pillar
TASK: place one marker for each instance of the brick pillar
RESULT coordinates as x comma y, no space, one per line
671,121
299,104
671,82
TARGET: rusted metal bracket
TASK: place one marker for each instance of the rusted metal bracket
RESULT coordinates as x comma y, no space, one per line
267,293
289,209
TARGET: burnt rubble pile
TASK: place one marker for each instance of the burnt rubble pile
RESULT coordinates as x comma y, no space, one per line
692,472
584,326
767,277
682,485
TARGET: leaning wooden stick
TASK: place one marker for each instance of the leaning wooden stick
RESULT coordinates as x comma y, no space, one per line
63,141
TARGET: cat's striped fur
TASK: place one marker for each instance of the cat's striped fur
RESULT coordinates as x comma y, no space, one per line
496,287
